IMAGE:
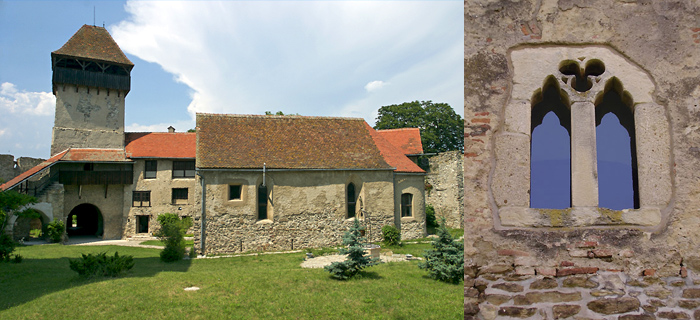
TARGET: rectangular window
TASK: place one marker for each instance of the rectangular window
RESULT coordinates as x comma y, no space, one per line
234,192
142,224
262,202
179,195
141,199
151,169
406,205
183,169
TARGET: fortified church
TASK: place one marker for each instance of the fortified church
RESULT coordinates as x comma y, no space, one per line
249,182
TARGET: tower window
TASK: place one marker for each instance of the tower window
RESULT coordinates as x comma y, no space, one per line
180,195
141,199
183,169
234,192
262,202
352,200
406,205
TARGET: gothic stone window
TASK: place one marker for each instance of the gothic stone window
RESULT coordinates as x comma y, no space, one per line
583,91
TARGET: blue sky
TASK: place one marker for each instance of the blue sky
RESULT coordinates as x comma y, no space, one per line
329,58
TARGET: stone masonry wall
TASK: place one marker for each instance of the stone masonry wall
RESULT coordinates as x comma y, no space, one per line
305,209
10,169
585,262
445,187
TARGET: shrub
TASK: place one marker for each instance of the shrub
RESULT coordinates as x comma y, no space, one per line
101,265
392,235
17,258
7,245
356,260
55,231
445,262
430,219
172,234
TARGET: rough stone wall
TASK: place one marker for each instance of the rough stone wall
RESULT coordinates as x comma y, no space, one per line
445,187
307,209
606,269
161,196
9,169
414,226
87,118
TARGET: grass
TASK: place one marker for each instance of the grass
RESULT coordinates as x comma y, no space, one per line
250,287
456,234
188,243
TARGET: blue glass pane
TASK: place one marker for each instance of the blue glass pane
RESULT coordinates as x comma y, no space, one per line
550,165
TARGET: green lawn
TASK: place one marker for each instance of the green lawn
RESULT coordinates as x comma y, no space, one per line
252,287
188,243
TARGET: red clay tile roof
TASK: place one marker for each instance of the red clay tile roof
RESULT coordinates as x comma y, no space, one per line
29,173
161,144
406,139
95,155
291,142
393,155
94,43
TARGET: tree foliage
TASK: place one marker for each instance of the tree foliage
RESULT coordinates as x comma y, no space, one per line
12,203
445,262
172,233
356,260
441,129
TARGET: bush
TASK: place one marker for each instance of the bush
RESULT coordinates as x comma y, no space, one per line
55,231
392,235
356,260
101,265
7,246
172,234
430,219
445,262
17,259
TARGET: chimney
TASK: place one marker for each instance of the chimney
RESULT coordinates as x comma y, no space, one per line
171,129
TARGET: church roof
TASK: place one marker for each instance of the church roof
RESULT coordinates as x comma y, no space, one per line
406,139
94,43
393,155
161,144
289,142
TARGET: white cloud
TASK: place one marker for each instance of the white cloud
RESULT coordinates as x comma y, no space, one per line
375,85
303,57
2,132
29,103
180,126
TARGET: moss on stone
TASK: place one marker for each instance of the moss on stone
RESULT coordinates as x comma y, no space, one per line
557,217
613,216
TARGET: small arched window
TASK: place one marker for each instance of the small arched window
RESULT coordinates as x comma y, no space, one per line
406,205
352,200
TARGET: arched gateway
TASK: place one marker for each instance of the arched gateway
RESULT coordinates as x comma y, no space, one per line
85,220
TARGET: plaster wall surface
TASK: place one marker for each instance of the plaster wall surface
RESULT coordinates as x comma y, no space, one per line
414,226
651,252
305,209
87,118
161,196
108,199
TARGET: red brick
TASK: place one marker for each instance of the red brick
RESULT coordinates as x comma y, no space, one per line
481,114
684,272
602,253
580,270
695,29
544,271
586,244
489,39
524,29
649,272
511,252
481,120
566,264
471,154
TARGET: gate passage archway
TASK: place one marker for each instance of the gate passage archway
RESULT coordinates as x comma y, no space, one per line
85,220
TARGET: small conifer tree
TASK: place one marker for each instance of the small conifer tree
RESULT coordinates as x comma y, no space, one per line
356,260
445,262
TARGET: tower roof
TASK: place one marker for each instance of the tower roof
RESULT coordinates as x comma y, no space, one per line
94,43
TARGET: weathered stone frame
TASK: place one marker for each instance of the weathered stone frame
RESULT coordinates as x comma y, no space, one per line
359,194
510,179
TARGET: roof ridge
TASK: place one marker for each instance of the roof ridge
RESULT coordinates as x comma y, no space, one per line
265,116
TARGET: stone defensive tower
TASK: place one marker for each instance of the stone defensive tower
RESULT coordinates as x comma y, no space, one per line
91,78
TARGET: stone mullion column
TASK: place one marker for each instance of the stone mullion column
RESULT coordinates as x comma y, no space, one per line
584,167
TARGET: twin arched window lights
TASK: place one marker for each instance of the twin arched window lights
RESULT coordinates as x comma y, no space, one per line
551,148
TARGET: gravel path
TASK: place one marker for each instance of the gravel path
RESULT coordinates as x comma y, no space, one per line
322,261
